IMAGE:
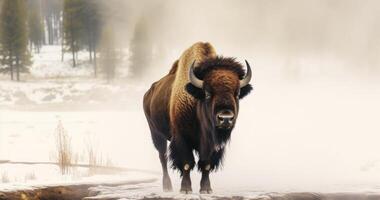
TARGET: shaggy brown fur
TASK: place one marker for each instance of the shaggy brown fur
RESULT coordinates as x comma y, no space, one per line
181,100
180,113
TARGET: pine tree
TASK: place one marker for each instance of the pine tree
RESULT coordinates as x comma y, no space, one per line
91,20
51,12
13,37
141,48
36,29
108,54
73,25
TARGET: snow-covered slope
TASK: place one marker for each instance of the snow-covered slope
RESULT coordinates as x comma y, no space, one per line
81,94
48,64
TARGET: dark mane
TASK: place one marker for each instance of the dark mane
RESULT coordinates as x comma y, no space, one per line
219,62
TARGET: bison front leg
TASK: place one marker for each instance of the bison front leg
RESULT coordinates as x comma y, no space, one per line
205,182
183,160
207,164
205,167
186,180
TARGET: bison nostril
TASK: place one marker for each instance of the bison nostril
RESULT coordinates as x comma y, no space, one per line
225,117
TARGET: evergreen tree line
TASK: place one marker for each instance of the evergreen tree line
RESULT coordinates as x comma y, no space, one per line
13,38
27,25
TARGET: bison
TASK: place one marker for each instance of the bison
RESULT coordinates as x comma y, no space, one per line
195,107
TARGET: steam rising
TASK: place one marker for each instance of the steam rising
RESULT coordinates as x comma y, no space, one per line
293,38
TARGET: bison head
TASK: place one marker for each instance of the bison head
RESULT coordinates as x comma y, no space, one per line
218,84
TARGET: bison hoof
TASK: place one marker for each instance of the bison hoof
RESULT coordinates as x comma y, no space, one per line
209,191
186,191
168,188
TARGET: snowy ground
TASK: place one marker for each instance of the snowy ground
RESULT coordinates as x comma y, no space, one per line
48,64
52,83
49,176
302,136
71,94
329,144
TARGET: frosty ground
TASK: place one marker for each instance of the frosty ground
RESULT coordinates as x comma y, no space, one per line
318,136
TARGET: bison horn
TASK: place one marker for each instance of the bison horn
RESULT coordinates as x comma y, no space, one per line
245,81
193,79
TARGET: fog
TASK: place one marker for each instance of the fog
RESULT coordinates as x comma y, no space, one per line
311,123
318,38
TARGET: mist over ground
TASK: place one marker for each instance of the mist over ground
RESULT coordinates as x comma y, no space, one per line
294,38
311,123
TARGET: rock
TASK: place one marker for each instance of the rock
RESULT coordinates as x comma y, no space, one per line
49,97
2,196
22,99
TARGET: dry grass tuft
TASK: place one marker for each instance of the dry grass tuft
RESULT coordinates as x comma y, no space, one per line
96,159
66,158
64,153
30,176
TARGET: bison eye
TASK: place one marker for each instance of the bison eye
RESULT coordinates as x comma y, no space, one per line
207,95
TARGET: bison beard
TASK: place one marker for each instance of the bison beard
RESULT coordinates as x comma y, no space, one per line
195,114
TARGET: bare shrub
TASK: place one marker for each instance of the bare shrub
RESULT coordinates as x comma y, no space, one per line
64,153
30,176
96,159
92,157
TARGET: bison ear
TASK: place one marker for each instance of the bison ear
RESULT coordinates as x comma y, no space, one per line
194,91
244,91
